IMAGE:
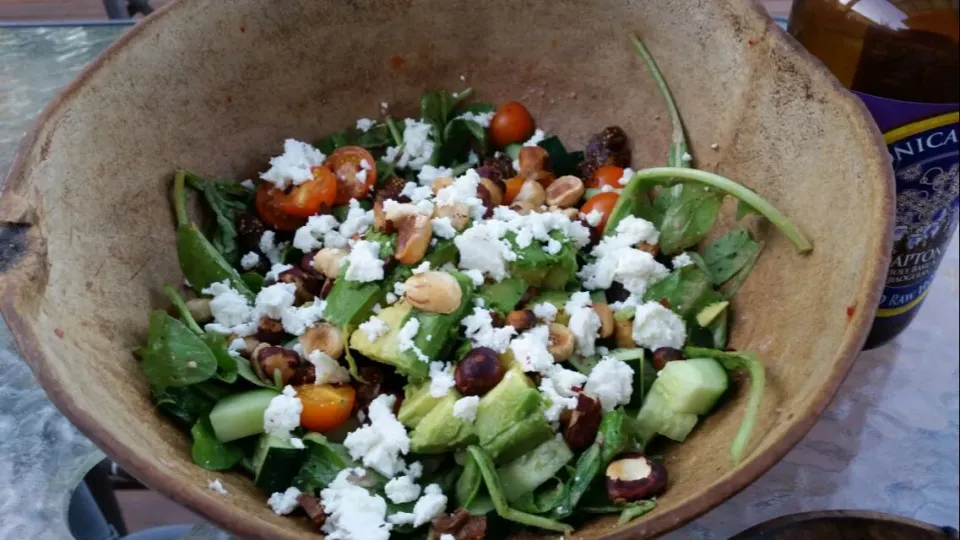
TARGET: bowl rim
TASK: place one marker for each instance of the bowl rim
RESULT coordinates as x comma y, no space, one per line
225,516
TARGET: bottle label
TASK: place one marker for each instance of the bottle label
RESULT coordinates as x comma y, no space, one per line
922,141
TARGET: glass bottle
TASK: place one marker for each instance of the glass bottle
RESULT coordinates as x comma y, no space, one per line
901,58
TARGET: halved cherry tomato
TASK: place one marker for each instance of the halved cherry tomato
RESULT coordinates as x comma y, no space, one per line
297,202
325,406
273,216
356,172
603,203
608,175
511,123
513,188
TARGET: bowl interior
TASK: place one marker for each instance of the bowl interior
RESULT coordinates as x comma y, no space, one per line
217,91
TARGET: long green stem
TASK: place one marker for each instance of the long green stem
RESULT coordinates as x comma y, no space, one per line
647,178
180,197
394,131
181,306
678,143
757,382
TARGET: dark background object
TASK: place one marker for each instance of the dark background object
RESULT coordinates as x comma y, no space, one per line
846,525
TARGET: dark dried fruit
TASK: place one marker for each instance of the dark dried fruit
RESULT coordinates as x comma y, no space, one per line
369,386
306,263
609,147
633,477
487,199
272,359
498,168
580,425
327,287
305,374
616,293
461,525
527,297
665,354
309,286
270,331
653,249
391,189
249,230
523,319
478,372
313,508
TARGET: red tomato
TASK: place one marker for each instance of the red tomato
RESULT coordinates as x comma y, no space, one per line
325,406
511,123
356,172
603,203
513,188
273,216
608,175
288,209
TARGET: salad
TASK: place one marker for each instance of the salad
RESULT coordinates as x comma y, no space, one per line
452,326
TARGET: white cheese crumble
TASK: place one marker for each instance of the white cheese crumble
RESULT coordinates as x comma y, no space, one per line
545,311
681,260
429,506
655,326
452,537
441,378
283,413
217,487
483,248
686,157
475,276
553,246
530,350
380,442
618,260
594,218
627,176
479,329
481,118
364,124
422,268
293,166
429,173
463,190
250,260
237,345
402,489
364,262
274,273
465,408
270,248
417,193
232,314
611,381
535,139
584,322
248,184
319,231
556,387
391,298
297,443
357,222
352,511
328,370
473,158
417,145
284,503
443,228
374,328
408,332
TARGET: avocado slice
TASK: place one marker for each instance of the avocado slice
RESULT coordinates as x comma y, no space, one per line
711,312
351,302
417,403
503,296
545,270
438,331
520,438
440,431
509,418
387,349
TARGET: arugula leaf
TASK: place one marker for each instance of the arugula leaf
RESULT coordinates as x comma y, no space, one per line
378,136
226,200
688,219
733,361
728,255
324,462
210,453
175,356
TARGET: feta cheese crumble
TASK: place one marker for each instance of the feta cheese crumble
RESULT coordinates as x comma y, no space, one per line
441,378
618,260
408,332
297,443
429,506
417,145
274,273
217,487
480,118
545,311
429,173
232,314
594,218
681,260
530,350
535,139
328,370
483,248
364,124
478,328
283,413
270,248
364,262
655,326
319,231
465,408
443,228
556,387
250,260
293,166
402,489
422,268
627,176
352,511
284,503
374,328
380,442
584,322
611,381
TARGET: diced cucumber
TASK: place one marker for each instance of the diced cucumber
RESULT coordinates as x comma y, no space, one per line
694,385
526,473
240,415
627,355
657,417
275,463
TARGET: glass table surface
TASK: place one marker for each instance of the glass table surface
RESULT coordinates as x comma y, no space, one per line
888,442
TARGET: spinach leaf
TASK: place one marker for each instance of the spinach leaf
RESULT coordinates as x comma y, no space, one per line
253,281
734,284
227,364
324,462
544,499
729,254
562,162
733,361
210,453
175,356
685,291
457,136
189,404
492,480
688,219
395,132
226,200
332,142
612,438
200,261
744,210
377,136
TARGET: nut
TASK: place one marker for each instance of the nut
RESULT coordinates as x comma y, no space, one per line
623,334
478,372
496,192
395,213
270,331
522,319
199,309
380,217
562,342
523,207
327,261
323,337
459,214
273,359
533,159
308,286
313,508
532,193
250,345
436,292
607,322
653,249
665,354
580,425
573,214
413,239
633,477
440,183
544,178
565,191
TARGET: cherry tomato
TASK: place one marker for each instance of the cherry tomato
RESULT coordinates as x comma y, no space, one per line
513,188
608,175
273,216
603,203
511,123
303,201
325,406
356,172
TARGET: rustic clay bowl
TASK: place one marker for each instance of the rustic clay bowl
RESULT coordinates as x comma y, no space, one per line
216,89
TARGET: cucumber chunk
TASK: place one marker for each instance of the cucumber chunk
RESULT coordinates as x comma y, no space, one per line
526,473
693,386
275,463
658,417
240,415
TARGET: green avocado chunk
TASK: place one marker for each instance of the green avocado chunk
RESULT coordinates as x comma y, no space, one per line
351,302
417,403
545,270
503,296
440,431
510,420
387,349
438,331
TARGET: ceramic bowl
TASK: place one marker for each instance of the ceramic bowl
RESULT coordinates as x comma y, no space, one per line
216,89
